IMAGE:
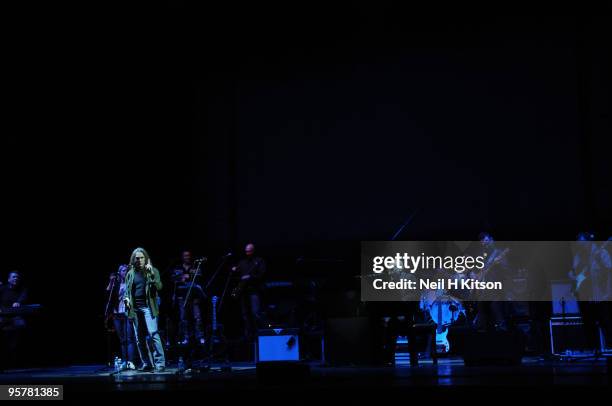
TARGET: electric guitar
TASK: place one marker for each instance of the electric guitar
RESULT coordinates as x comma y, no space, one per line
237,291
483,273
215,299
215,334
243,284
441,331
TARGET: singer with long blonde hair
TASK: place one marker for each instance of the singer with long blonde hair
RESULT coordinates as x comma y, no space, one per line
142,284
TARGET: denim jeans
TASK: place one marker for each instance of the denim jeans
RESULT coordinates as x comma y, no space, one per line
145,326
252,316
125,333
187,313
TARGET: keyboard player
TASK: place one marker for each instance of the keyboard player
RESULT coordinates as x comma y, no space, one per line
12,296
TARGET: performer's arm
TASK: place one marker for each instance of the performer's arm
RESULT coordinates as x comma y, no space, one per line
604,259
156,279
111,282
127,292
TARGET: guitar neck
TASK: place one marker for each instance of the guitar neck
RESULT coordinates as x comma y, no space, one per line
214,314
439,326
492,264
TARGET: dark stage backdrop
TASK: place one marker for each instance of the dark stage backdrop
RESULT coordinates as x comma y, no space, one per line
304,138
471,127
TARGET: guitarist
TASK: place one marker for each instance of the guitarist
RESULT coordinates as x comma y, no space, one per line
186,302
593,287
492,313
251,270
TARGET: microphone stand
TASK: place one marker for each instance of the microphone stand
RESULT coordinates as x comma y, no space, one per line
213,277
108,301
227,281
187,296
399,230
210,281
195,275
106,329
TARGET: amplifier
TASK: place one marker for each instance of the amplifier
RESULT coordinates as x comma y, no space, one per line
567,336
278,344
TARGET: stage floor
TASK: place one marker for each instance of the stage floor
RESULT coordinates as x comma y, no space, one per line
558,378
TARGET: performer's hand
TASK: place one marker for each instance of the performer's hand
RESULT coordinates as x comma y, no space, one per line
113,276
234,268
16,304
126,302
244,277
149,266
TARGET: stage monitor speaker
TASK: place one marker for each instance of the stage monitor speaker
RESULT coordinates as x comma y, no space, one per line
493,348
278,344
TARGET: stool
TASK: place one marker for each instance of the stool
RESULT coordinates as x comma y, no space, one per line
428,331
